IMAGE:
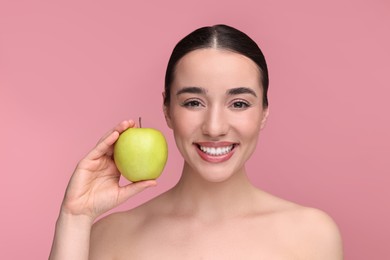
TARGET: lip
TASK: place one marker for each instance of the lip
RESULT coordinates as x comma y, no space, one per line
215,158
215,144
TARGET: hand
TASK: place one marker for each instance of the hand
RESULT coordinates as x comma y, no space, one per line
94,186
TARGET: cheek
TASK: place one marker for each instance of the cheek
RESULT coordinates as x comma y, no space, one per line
249,132
183,122
248,124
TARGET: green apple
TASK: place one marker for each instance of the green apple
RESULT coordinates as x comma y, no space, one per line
141,154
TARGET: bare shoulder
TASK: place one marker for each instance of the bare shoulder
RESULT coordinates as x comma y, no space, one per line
305,232
312,232
320,232
109,234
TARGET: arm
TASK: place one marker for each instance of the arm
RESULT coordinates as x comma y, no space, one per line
92,190
71,238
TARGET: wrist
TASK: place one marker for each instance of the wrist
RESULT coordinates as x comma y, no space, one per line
80,220
72,237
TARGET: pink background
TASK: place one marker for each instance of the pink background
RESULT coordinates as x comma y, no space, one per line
70,71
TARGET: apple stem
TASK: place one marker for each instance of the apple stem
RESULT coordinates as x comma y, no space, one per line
139,120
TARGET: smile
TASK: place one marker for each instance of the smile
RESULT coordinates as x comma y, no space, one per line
216,151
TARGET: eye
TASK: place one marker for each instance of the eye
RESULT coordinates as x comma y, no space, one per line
240,105
192,103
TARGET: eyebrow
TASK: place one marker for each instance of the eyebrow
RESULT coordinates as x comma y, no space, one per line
230,92
191,90
241,90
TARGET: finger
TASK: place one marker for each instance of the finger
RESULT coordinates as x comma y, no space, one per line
122,126
104,146
133,188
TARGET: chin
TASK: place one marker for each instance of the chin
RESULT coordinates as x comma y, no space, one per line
215,173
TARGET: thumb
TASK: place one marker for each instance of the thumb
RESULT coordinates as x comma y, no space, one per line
132,189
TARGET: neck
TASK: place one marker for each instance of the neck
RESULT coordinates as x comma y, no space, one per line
196,196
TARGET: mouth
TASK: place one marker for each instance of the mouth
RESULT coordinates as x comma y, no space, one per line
215,152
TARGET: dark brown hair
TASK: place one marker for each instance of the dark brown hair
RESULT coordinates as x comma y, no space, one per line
221,37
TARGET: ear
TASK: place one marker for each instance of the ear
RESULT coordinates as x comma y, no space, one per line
264,119
166,112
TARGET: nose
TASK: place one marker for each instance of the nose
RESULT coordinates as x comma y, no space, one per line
215,123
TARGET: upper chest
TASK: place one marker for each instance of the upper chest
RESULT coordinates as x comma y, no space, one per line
248,239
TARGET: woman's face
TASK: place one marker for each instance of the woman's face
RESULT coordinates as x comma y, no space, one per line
216,111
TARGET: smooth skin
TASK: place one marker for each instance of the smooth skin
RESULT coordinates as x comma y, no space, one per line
92,190
213,212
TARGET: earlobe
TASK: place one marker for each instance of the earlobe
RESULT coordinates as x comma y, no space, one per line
167,116
264,119
166,112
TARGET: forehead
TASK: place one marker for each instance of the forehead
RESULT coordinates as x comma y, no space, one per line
216,67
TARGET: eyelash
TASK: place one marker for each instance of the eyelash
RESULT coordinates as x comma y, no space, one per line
237,104
191,103
242,104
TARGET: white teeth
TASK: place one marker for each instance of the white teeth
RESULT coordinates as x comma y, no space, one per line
216,151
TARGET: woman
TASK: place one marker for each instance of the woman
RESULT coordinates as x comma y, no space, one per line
215,101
